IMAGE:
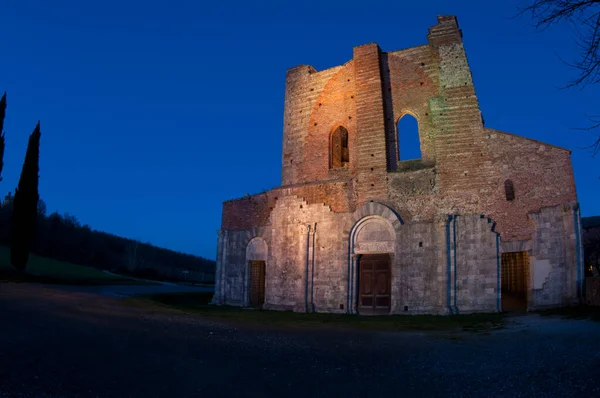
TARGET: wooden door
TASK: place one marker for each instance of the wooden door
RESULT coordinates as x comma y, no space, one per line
257,283
375,284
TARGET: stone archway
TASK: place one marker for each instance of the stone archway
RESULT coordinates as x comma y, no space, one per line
372,239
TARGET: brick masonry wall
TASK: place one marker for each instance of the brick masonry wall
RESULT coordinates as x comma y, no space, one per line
463,159
371,176
542,176
335,106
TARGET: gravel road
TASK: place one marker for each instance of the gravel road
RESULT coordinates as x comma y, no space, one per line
63,343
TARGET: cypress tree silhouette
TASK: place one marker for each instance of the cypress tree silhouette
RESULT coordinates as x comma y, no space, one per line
25,204
2,113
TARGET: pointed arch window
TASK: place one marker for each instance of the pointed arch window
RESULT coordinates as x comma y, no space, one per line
409,144
339,153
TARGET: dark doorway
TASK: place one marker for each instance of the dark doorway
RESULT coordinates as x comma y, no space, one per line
375,284
515,274
257,283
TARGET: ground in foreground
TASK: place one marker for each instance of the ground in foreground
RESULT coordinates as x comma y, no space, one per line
59,343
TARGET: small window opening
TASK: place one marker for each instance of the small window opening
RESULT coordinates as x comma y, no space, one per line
340,155
509,190
409,145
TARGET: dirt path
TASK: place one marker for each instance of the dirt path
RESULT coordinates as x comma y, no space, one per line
58,343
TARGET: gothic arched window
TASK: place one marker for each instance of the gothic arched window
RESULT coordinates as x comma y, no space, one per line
339,153
409,144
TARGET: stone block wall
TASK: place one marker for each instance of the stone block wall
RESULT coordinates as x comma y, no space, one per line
419,269
556,269
476,265
231,276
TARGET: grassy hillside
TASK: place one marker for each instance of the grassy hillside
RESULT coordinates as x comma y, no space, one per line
45,270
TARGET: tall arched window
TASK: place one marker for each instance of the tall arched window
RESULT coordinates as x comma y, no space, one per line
339,155
409,145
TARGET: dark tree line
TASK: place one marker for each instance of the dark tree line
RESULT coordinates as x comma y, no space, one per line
25,226
62,237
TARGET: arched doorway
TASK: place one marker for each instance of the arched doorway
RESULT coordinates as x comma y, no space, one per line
373,241
256,260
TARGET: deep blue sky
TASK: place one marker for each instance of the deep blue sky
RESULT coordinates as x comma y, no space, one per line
155,112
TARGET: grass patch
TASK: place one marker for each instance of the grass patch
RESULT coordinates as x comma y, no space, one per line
574,312
198,303
45,270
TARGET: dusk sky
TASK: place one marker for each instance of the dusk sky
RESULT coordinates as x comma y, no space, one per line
155,112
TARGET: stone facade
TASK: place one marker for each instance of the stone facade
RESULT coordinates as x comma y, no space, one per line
444,220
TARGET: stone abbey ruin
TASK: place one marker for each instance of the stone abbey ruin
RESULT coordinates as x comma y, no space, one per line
484,221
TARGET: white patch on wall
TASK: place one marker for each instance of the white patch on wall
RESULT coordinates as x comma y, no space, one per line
541,271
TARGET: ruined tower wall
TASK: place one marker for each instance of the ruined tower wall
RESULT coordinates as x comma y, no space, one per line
463,161
303,87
